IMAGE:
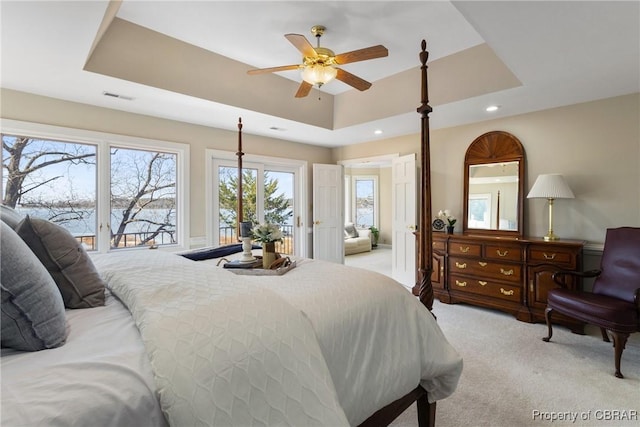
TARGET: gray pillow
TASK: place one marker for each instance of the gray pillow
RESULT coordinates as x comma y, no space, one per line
66,260
350,230
33,316
10,216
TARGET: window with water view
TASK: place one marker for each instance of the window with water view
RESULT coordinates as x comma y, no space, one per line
58,181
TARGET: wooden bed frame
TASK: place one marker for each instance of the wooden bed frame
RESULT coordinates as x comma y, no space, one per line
423,287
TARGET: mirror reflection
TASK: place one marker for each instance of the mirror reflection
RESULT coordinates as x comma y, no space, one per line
493,196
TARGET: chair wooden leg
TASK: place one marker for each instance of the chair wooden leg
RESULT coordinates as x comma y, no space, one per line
605,336
547,316
619,342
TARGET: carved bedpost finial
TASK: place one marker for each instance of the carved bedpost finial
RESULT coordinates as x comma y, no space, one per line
424,55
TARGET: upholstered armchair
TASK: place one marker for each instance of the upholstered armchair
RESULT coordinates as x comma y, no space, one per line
614,303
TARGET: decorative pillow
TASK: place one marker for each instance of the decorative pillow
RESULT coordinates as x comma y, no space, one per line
66,260
10,216
33,316
209,253
350,230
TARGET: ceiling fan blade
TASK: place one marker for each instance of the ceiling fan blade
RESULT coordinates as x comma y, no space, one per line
273,69
372,52
352,80
302,44
304,89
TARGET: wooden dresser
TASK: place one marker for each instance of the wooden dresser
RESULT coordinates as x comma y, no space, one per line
508,274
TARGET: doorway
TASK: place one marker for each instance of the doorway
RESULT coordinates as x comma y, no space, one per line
387,184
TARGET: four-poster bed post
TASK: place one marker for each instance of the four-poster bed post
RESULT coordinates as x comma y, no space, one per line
239,153
423,287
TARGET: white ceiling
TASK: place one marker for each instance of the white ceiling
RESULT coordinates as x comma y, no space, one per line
562,53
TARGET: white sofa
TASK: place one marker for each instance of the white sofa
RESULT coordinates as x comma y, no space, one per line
356,240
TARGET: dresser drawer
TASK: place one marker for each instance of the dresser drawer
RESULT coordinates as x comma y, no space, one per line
464,248
553,255
485,287
486,269
504,253
438,245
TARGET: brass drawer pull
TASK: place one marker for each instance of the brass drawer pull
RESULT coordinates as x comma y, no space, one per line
500,253
463,265
482,264
464,250
508,293
552,256
482,282
461,284
506,272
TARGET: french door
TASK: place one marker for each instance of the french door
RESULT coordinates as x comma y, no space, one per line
269,196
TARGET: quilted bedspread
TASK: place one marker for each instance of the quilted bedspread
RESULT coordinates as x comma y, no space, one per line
324,344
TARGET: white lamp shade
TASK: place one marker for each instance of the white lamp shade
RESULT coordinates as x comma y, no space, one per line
550,186
318,74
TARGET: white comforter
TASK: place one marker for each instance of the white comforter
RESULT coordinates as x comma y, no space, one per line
324,344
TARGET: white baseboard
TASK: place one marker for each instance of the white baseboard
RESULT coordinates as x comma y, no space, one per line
384,245
197,242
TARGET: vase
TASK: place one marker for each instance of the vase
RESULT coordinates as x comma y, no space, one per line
268,254
450,229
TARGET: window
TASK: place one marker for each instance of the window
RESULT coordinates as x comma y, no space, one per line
364,201
143,197
479,211
110,192
53,180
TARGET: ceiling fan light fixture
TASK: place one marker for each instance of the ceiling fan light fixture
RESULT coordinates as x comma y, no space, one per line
318,74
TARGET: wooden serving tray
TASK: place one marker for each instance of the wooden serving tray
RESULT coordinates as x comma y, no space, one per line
259,271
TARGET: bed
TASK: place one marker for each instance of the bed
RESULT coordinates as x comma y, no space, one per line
173,341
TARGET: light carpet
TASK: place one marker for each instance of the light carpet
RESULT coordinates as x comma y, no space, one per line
513,378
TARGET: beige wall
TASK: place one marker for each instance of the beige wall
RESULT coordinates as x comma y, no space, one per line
38,109
595,145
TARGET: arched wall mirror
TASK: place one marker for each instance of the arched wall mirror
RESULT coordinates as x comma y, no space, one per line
494,171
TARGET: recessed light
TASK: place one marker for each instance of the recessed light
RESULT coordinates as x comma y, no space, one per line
377,132
492,108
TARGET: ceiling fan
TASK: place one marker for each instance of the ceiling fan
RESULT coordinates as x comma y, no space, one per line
319,64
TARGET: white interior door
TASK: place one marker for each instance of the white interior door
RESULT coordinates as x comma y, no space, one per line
328,213
403,198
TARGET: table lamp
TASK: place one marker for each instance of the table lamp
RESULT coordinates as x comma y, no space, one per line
550,186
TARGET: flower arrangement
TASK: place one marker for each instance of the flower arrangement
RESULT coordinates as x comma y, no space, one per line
445,215
266,233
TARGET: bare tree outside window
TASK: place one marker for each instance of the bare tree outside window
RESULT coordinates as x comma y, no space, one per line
57,181
143,197
52,180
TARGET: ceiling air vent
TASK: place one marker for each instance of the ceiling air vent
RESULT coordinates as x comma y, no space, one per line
116,95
